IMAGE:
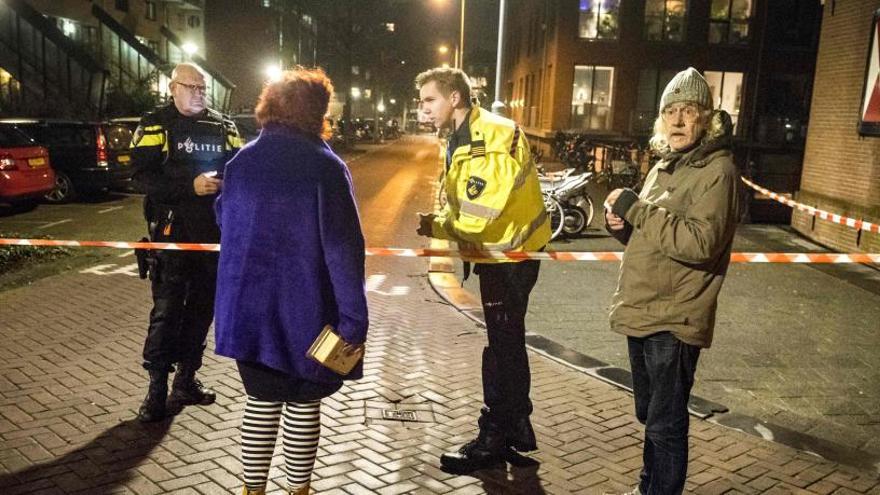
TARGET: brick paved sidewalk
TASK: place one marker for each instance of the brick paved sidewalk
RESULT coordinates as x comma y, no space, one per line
70,384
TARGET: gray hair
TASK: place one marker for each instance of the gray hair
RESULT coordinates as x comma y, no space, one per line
714,124
187,67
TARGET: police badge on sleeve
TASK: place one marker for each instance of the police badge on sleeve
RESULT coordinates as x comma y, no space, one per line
475,186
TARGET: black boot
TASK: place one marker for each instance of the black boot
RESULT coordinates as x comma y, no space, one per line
153,407
187,389
488,450
521,436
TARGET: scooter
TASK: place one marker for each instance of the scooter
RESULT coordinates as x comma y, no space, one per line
567,202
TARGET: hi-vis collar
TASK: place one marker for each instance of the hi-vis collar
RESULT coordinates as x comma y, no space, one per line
477,121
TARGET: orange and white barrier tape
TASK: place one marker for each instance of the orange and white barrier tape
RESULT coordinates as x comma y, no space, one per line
816,212
452,253
173,246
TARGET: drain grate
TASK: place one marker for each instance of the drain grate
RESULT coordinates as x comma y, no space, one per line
400,415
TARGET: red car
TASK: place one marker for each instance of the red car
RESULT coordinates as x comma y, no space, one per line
25,174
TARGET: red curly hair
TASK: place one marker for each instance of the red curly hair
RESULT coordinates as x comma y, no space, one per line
299,99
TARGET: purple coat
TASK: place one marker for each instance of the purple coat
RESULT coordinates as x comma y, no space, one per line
292,254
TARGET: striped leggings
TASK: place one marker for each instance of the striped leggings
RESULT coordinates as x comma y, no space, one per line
259,429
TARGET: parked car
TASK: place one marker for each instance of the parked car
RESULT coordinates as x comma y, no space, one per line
84,164
119,133
25,172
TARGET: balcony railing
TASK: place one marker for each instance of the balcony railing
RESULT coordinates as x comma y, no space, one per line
130,62
55,75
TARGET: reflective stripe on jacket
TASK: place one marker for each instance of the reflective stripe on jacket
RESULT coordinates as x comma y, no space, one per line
493,196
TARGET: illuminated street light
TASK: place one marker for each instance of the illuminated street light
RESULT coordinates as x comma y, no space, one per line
392,101
443,49
381,107
355,92
273,72
190,48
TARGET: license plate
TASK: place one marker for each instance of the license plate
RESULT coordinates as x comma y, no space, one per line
36,162
124,158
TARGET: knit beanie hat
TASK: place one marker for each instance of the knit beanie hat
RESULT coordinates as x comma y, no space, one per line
687,85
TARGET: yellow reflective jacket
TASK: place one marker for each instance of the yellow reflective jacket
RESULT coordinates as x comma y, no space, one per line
493,195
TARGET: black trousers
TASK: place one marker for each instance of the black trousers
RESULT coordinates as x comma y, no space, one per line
505,289
183,308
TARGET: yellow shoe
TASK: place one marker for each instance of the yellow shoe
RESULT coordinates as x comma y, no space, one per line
255,491
303,490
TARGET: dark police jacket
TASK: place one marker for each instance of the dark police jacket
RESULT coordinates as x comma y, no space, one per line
169,150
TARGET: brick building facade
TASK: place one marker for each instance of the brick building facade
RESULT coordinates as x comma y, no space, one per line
598,67
841,171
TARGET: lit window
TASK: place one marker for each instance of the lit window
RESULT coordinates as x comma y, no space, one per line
389,26
726,88
68,27
591,97
665,20
598,19
729,21
267,3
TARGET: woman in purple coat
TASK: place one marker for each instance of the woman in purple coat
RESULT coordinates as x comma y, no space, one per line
291,261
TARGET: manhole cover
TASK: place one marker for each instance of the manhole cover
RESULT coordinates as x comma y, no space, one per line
399,415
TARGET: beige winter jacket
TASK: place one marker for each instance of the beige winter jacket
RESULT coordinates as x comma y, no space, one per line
678,239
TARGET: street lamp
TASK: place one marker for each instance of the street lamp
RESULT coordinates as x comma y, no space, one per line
459,53
443,49
189,48
498,105
273,72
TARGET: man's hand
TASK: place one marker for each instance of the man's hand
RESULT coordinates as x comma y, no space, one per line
426,221
614,222
205,185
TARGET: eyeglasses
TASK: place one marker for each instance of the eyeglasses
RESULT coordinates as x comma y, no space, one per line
690,113
193,88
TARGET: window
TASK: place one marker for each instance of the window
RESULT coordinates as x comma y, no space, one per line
591,97
729,21
599,19
786,109
726,88
194,21
793,23
651,85
665,20
151,10
122,5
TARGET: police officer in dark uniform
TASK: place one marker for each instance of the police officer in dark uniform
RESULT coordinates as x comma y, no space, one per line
179,151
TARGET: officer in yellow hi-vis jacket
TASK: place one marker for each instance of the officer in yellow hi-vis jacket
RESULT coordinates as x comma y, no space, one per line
493,203
179,151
